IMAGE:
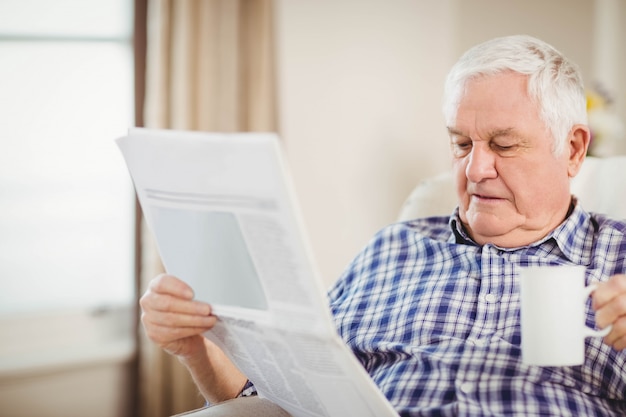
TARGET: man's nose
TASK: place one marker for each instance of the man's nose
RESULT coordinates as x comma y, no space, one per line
481,165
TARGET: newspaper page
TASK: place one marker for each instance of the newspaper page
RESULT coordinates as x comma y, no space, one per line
222,210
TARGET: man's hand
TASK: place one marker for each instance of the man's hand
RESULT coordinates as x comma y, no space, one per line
609,302
172,319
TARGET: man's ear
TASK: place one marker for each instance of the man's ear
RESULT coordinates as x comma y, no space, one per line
577,144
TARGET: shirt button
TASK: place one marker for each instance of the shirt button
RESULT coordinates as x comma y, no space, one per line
490,298
467,387
480,342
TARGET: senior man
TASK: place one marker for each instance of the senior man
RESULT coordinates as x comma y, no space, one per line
431,306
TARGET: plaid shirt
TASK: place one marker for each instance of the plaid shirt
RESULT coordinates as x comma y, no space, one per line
435,320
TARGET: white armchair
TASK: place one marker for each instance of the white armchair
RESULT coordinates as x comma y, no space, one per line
239,407
600,187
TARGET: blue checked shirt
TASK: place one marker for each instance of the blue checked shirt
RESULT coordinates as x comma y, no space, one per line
435,320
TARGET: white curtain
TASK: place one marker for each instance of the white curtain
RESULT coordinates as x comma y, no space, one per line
209,67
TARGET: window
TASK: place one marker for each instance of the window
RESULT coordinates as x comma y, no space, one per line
66,201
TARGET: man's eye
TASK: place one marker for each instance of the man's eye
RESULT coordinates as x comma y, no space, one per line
462,144
503,148
461,149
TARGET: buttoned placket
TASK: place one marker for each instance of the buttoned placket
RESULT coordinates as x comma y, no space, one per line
484,329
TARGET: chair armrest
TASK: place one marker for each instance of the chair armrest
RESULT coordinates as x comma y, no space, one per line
239,407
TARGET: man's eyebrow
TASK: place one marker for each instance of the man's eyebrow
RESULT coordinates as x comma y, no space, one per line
501,132
491,135
455,132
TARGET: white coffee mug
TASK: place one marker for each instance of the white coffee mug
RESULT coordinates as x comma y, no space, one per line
553,302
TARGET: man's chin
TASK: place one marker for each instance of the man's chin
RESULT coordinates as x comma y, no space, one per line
488,228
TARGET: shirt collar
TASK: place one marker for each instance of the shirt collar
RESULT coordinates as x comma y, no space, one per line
459,234
573,237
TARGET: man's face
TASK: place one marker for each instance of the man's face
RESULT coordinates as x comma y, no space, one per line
512,190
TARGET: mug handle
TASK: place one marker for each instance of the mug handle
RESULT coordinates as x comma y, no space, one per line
589,332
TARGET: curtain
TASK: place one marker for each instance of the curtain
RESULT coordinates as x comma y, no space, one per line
209,67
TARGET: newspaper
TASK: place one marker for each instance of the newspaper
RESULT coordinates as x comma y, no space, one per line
223,213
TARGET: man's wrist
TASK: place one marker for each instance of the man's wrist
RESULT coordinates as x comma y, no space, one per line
248,390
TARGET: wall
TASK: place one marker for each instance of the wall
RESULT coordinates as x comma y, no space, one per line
609,53
566,24
359,101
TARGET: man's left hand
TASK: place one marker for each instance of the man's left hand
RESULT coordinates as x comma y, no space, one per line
609,302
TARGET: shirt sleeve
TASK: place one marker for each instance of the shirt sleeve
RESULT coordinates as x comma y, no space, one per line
248,390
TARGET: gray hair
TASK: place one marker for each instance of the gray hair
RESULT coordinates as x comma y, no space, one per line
554,82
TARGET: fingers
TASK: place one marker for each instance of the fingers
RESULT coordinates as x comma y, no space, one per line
152,301
617,337
176,320
167,293
170,316
607,291
169,284
609,301
164,335
176,332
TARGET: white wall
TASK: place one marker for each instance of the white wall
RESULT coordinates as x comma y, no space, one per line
566,24
360,84
609,51
359,102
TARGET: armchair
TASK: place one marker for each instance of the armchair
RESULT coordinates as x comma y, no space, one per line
239,407
600,186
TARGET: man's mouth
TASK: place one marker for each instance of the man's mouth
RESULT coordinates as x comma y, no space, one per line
486,198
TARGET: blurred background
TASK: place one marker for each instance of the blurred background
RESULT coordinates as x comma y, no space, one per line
353,87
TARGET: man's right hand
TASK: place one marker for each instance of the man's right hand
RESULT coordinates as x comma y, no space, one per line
172,319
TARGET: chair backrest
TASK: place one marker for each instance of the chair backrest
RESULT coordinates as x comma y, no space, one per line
600,187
